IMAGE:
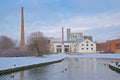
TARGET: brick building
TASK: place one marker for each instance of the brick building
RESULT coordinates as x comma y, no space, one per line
110,46
103,47
114,45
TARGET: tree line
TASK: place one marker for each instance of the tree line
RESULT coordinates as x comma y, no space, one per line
36,45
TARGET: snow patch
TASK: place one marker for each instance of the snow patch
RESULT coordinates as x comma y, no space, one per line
13,62
94,56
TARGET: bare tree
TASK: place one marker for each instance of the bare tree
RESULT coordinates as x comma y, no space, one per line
38,43
15,53
6,42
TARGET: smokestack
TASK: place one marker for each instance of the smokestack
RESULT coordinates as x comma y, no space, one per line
22,28
62,35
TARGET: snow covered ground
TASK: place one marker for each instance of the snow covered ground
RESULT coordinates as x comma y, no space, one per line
95,55
13,62
114,65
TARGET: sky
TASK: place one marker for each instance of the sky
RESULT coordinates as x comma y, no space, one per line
97,18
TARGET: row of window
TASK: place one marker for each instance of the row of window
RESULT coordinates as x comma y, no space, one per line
87,44
75,36
68,45
87,48
64,46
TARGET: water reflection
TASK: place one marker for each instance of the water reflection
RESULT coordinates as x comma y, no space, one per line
82,68
69,69
22,75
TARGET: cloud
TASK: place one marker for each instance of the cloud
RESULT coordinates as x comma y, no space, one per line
36,2
92,21
102,27
85,24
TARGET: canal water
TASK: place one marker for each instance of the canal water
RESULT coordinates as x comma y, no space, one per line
69,69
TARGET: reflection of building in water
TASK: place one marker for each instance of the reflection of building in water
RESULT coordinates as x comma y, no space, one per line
22,75
79,66
89,65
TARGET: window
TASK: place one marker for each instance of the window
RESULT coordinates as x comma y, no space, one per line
91,48
86,41
66,49
86,44
75,36
82,44
86,48
58,45
82,48
59,50
66,46
91,44
79,36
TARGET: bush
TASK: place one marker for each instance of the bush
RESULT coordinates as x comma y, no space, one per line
15,53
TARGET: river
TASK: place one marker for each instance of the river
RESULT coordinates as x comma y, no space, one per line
69,69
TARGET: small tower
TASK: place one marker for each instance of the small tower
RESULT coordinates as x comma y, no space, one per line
22,28
68,34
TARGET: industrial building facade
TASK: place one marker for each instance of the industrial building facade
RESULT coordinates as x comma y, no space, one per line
81,46
76,36
76,43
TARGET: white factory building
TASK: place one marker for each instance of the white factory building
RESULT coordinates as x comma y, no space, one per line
80,46
76,43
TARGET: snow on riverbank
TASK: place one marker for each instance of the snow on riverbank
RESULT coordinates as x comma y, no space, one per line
13,62
95,56
114,65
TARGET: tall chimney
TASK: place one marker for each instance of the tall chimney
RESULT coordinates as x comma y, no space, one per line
62,35
22,28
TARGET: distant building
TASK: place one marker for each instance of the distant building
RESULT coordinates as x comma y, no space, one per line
73,36
52,45
76,43
110,46
78,46
103,47
86,46
76,36
114,45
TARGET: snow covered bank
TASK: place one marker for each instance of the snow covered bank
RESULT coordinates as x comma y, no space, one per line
7,63
115,66
95,56
16,63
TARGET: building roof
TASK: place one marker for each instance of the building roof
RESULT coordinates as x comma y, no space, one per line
75,41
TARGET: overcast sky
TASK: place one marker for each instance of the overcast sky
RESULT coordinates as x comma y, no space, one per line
98,18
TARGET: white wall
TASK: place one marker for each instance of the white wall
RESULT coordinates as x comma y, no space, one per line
87,46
